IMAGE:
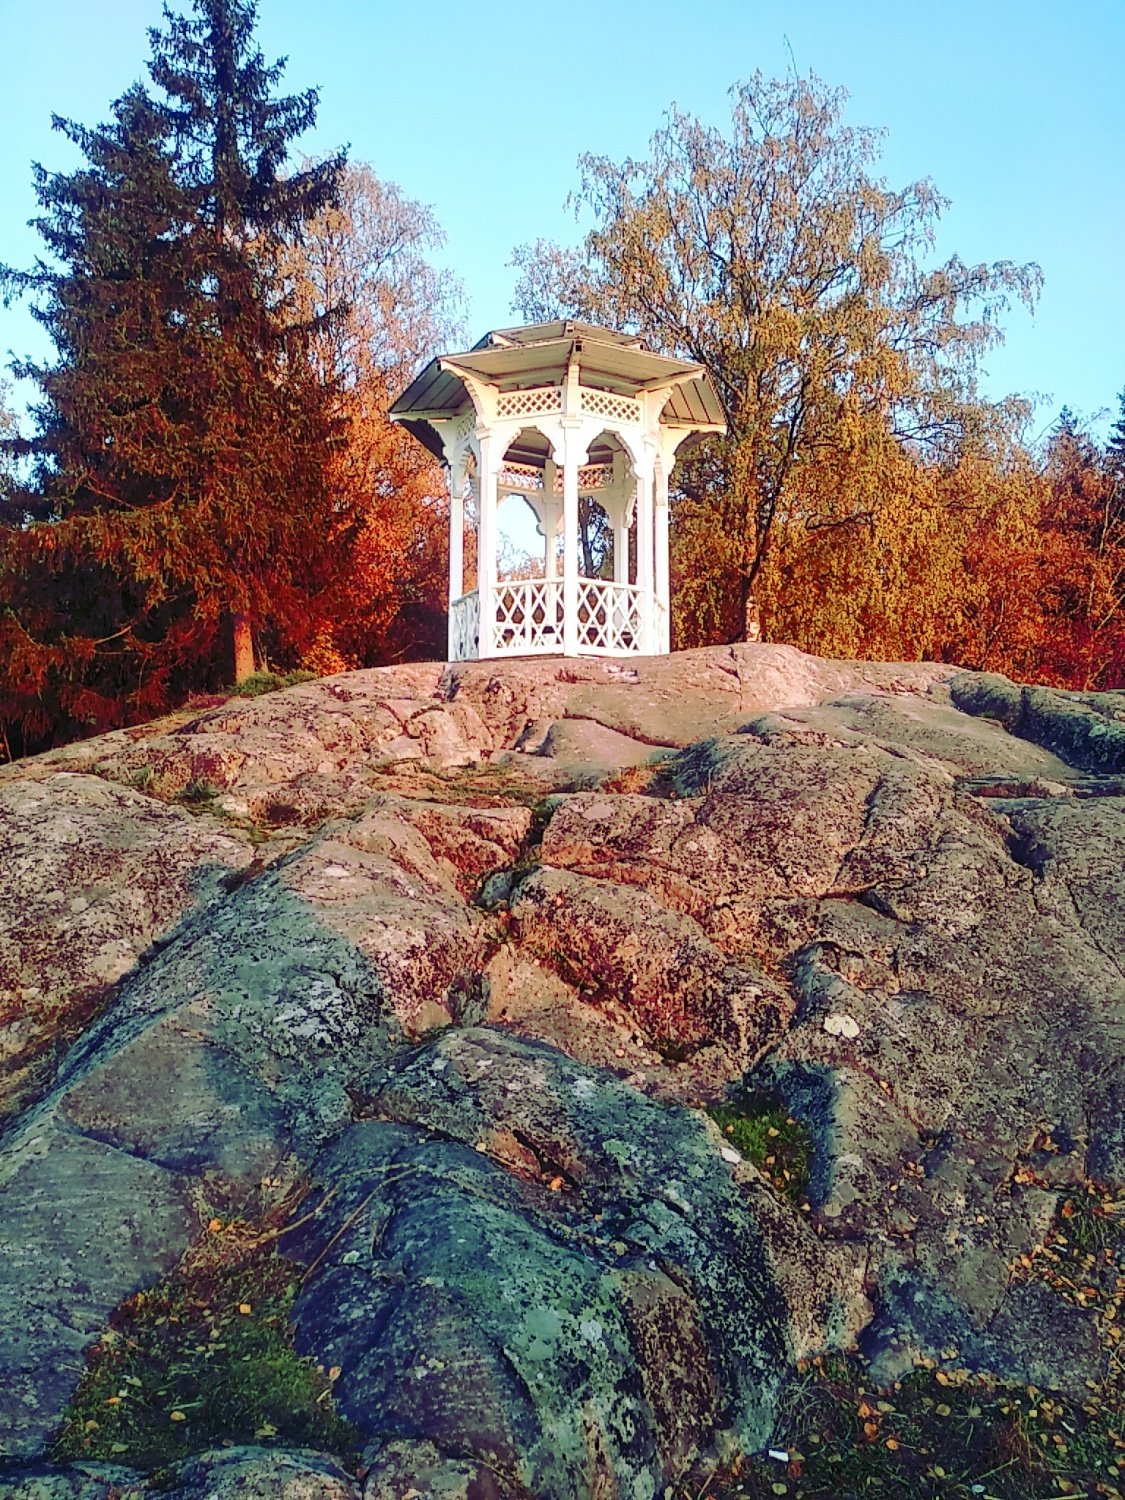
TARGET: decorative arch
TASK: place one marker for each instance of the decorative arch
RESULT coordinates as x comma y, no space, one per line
526,472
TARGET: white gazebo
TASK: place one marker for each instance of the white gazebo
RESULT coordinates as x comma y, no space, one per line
557,413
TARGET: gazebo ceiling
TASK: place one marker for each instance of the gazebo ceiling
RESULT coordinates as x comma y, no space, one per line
529,446
513,359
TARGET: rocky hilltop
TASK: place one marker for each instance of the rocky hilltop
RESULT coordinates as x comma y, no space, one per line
432,973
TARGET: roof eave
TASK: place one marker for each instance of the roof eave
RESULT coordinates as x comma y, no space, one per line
719,427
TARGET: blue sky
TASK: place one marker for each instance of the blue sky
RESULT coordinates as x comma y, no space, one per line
1015,110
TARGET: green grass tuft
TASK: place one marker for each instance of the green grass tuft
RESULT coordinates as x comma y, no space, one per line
950,1434
143,778
205,1357
766,1134
937,1435
198,793
1093,1221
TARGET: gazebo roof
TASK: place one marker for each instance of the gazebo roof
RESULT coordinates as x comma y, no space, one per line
539,354
544,333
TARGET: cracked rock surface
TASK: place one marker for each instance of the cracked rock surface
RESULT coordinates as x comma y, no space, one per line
463,949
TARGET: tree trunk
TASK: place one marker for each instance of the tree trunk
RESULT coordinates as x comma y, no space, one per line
243,641
752,620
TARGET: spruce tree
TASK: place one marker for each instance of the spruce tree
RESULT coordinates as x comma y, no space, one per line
1115,445
176,488
1115,472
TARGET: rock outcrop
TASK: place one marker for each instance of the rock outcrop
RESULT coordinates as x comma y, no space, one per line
566,1278
461,951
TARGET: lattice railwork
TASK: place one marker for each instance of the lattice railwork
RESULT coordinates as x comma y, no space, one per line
539,401
528,617
521,477
606,404
595,476
464,617
609,617
590,477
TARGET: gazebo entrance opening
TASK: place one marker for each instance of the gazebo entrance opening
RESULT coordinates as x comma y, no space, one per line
583,425
528,601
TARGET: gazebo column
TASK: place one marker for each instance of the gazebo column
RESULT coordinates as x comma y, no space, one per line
618,508
621,540
573,457
488,472
662,613
644,557
551,515
551,510
456,539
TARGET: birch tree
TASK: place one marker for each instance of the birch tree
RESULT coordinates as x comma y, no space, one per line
773,252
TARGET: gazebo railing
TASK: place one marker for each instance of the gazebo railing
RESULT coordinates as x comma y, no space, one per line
527,617
609,617
662,616
464,627
527,620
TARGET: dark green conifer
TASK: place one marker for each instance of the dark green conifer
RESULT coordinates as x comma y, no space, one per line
1115,445
175,482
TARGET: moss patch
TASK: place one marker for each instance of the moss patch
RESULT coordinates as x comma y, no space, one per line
484,786
267,682
766,1134
204,1357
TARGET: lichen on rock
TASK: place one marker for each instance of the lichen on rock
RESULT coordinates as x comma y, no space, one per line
451,944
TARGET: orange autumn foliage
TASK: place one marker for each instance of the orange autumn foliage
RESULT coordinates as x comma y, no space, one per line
386,597
994,560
